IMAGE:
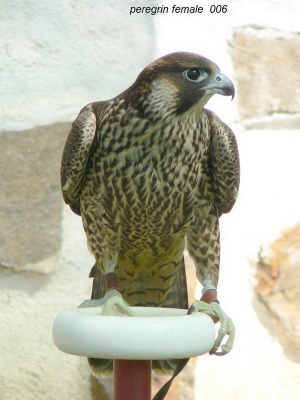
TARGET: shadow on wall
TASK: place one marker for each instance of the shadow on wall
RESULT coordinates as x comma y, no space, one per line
30,197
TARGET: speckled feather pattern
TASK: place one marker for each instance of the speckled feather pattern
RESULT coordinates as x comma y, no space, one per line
146,178
138,199
150,172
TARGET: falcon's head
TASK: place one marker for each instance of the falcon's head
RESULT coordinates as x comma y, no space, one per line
177,82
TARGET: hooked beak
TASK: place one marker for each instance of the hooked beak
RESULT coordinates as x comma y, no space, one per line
220,84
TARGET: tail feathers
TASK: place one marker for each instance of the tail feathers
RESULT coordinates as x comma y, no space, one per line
176,298
100,367
98,289
178,294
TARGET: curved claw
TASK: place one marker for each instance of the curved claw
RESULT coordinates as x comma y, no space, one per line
112,298
214,310
219,353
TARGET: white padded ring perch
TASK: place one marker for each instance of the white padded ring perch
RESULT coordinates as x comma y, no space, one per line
155,333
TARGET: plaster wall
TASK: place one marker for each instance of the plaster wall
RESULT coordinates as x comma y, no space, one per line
55,58
58,56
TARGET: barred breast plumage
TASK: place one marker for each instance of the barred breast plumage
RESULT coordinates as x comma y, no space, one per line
139,194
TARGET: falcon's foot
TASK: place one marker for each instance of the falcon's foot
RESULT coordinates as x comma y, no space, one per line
214,310
112,298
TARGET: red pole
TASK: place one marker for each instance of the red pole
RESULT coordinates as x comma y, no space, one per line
132,379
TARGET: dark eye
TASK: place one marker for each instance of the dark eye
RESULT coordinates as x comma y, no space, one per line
194,74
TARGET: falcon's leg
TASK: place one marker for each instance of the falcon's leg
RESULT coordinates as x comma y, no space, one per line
112,297
214,310
203,243
104,293
102,242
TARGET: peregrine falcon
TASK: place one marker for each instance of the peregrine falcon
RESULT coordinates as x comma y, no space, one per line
150,172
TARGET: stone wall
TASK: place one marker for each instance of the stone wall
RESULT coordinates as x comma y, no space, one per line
30,198
268,81
278,276
266,64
